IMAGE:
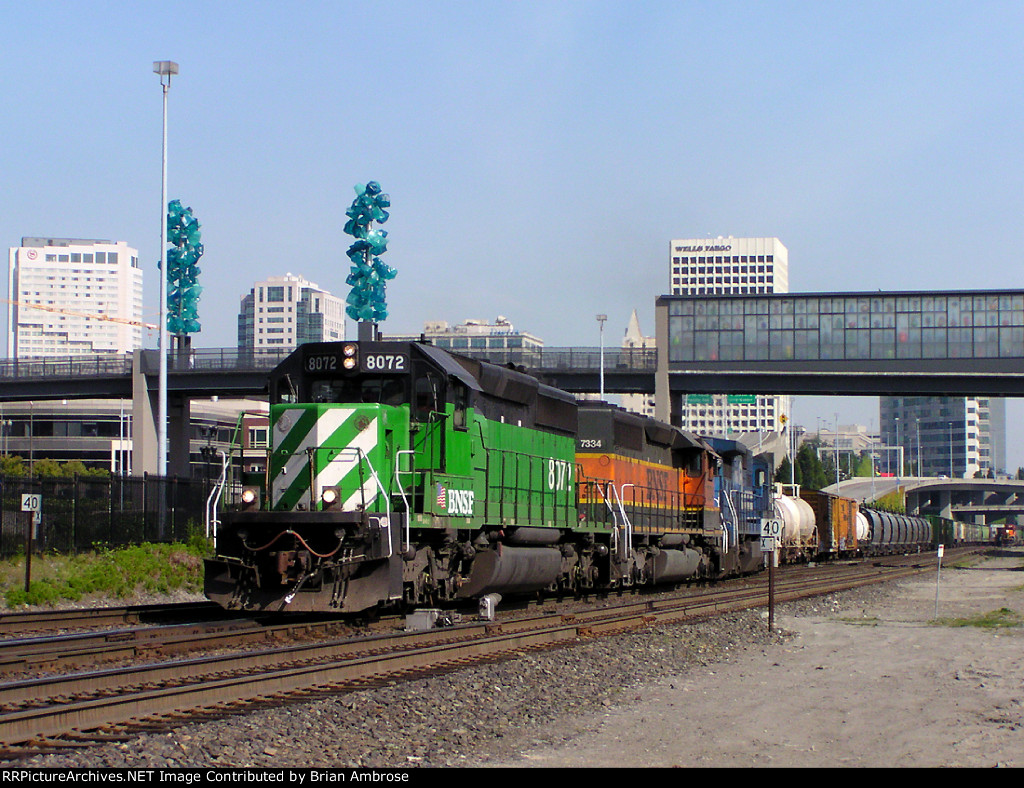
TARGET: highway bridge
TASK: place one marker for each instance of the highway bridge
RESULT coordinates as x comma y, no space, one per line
964,343
968,500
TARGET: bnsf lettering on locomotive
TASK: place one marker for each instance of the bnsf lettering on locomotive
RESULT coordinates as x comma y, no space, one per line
658,481
460,502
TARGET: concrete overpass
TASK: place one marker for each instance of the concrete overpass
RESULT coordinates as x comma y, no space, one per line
970,500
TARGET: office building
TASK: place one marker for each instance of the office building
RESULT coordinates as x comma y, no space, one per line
729,266
288,311
99,434
72,297
496,341
957,437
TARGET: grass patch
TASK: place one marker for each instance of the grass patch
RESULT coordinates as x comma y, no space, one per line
995,619
864,621
113,573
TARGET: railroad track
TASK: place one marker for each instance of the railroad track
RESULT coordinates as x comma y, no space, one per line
59,712
82,650
20,623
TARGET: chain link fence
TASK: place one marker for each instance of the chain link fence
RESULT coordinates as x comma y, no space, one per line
83,513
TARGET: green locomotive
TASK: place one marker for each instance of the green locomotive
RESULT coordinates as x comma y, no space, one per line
400,473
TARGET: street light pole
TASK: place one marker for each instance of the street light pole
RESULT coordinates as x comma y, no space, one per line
600,320
950,450
164,68
899,453
919,472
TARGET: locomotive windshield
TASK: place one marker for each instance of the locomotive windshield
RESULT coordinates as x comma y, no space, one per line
379,390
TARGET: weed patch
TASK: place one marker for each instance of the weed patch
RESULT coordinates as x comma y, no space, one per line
1003,617
866,621
115,573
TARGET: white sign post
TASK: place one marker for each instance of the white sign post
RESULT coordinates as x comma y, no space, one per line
938,574
31,502
771,534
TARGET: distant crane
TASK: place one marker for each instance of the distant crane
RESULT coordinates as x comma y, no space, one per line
86,315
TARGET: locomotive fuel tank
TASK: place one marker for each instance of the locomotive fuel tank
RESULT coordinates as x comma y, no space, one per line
512,570
673,566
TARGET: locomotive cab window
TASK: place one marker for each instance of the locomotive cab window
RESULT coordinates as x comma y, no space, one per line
428,394
375,390
460,397
285,391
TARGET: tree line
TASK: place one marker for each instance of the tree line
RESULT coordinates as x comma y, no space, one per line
815,473
46,468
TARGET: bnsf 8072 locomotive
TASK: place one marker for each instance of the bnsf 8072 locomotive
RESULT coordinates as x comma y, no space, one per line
399,473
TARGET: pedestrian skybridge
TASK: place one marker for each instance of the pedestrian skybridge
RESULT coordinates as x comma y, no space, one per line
937,343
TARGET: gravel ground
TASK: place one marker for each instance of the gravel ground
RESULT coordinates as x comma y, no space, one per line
481,715
864,682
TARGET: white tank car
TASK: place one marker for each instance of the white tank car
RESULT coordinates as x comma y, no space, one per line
863,529
797,518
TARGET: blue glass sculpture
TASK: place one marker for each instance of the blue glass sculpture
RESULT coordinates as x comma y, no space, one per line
368,275
183,288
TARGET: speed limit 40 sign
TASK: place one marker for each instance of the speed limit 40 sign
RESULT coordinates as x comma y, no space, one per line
771,533
31,502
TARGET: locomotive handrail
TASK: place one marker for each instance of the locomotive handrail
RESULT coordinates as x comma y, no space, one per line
615,518
401,491
360,456
732,509
214,498
625,544
625,517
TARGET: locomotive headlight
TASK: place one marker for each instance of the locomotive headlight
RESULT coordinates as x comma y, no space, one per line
330,496
351,354
250,497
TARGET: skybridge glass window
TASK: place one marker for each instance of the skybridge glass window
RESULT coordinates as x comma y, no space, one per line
849,327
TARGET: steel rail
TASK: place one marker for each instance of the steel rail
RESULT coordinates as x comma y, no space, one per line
86,650
48,620
82,702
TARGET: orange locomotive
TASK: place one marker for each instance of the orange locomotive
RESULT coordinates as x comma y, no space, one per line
661,493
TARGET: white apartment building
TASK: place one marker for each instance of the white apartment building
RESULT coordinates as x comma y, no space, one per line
288,311
71,296
730,266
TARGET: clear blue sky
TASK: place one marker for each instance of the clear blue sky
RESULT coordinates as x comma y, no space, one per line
539,156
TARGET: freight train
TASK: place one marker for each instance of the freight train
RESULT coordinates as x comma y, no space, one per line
402,475
818,525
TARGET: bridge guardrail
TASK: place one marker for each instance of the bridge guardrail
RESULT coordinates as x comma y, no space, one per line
555,359
100,364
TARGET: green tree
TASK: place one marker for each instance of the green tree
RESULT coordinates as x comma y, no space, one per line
863,466
47,468
783,474
811,470
12,465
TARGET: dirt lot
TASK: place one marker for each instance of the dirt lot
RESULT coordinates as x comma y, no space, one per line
879,687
